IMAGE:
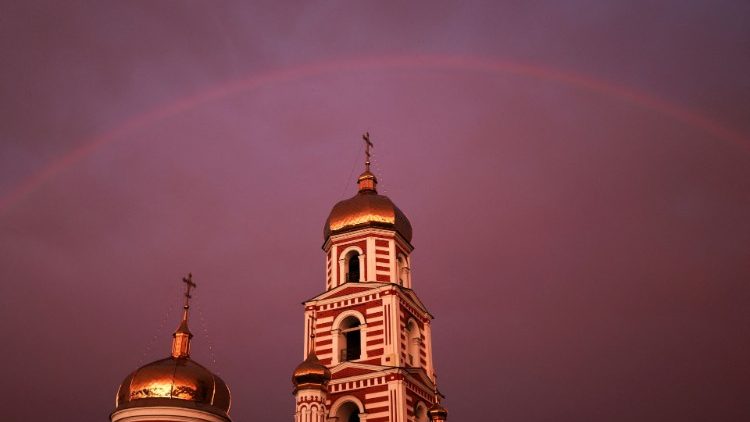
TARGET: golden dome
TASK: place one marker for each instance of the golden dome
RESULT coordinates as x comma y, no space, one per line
437,412
176,381
173,381
367,209
311,373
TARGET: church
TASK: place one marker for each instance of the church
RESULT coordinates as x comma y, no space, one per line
367,338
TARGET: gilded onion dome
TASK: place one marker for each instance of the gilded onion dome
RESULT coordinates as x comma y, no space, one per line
176,381
367,209
437,412
311,373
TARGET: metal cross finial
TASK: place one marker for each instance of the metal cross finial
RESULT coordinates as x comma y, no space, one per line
189,283
368,145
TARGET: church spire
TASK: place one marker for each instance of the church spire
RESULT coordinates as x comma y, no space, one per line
181,337
367,181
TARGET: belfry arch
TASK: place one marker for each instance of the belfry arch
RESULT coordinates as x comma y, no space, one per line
402,270
351,265
413,343
420,413
348,409
349,339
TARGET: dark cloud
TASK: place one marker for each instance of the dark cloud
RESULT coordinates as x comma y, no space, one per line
585,256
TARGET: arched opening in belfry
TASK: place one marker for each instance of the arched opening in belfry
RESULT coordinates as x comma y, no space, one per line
348,412
352,267
350,339
414,341
420,413
402,270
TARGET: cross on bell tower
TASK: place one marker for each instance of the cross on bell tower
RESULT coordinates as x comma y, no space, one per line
368,145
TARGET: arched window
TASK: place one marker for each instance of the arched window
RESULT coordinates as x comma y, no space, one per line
348,412
352,267
350,339
420,413
402,270
414,341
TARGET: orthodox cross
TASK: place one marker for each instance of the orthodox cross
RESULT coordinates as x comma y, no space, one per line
189,283
368,145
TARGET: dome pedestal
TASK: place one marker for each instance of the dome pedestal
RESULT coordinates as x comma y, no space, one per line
165,413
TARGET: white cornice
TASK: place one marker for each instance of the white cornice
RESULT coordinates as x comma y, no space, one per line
337,238
326,298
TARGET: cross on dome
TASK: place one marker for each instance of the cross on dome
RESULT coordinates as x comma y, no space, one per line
367,181
189,283
181,341
368,145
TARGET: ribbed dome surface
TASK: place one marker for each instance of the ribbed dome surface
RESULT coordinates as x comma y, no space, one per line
179,382
437,412
367,209
311,373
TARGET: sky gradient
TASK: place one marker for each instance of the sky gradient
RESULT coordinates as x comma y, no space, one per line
577,176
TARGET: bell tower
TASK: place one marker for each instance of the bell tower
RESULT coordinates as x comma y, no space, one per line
368,327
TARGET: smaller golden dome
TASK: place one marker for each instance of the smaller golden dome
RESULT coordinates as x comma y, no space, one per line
437,412
311,373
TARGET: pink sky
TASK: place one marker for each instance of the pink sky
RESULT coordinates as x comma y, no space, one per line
577,176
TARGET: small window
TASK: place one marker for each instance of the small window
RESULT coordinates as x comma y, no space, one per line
352,273
350,340
414,341
353,342
403,270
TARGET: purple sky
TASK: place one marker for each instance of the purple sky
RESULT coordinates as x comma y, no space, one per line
583,240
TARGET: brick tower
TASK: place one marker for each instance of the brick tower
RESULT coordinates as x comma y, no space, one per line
368,344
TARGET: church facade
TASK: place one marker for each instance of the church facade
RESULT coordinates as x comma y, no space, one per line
368,342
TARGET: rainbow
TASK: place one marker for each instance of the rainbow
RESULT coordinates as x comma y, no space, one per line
432,62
